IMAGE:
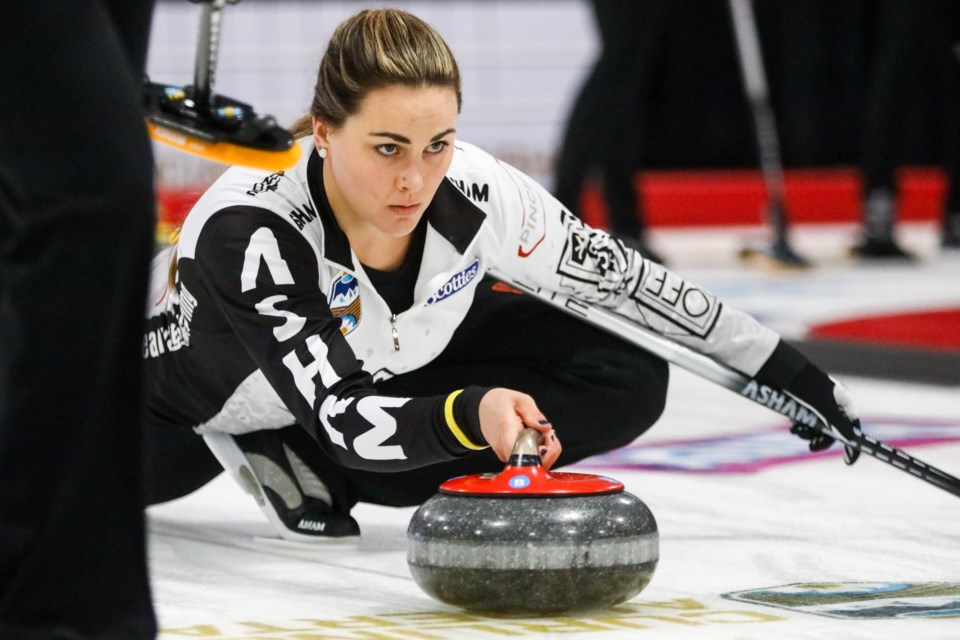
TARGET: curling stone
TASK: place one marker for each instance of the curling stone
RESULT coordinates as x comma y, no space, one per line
530,541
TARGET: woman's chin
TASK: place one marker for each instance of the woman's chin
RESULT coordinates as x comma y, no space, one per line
400,226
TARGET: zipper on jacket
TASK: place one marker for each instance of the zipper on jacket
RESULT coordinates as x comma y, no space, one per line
396,334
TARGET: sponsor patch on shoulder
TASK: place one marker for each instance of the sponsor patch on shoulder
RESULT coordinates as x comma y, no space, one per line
457,281
344,302
860,600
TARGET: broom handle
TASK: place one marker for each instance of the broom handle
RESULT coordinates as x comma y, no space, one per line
208,48
729,378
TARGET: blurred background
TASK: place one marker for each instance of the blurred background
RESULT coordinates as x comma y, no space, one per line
687,125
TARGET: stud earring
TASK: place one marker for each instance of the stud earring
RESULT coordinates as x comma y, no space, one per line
323,152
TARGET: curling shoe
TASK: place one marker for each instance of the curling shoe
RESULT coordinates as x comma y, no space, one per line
951,232
885,248
879,218
294,499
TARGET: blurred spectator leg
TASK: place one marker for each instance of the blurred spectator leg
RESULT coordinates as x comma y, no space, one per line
951,213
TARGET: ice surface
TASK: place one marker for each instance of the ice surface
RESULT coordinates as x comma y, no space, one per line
798,526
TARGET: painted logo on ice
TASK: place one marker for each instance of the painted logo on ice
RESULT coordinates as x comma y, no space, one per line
860,600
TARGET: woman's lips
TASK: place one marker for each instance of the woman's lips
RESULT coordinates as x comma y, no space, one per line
405,208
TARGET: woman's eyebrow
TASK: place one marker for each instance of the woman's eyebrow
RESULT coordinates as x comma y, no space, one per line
396,137
442,134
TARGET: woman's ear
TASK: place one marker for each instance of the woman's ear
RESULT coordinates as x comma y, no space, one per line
320,133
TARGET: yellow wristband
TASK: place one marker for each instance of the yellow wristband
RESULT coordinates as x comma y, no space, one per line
452,423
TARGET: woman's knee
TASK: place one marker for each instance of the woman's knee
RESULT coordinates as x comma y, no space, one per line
631,395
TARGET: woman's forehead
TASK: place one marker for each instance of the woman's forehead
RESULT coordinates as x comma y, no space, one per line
408,108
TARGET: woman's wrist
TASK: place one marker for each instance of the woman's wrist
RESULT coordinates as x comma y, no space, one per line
462,416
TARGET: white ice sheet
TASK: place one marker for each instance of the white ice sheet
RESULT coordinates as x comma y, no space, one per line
218,574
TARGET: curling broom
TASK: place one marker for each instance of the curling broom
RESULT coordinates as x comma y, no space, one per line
196,120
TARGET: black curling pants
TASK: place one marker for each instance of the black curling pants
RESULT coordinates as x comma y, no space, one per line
599,393
76,234
912,37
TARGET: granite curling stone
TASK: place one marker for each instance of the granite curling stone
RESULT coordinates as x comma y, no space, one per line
530,541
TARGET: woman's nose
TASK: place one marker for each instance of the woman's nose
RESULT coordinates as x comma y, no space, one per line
410,179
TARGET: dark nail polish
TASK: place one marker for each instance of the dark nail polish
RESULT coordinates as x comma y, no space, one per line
553,437
544,421
543,452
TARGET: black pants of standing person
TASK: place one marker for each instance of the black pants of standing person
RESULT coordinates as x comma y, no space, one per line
598,392
605,130
951,100
76,232
912,38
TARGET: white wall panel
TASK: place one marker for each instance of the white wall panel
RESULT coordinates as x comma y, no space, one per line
522,63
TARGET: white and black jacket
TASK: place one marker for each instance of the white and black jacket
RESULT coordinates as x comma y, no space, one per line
274,322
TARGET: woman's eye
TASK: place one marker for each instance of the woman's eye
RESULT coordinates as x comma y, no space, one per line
387,149
437,147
